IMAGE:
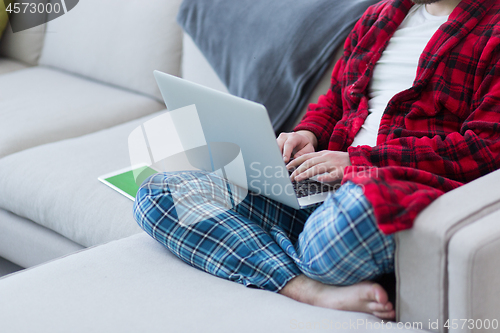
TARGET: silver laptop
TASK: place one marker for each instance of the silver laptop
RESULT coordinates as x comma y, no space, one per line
228,121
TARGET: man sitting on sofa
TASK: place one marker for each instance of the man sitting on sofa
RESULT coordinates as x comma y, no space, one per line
413,112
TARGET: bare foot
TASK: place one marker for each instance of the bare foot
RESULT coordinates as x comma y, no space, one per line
365,297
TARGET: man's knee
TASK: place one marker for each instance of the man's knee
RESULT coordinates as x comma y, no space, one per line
164,185
183,198
153,201
341,243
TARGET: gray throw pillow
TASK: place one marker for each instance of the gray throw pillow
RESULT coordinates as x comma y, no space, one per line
271,52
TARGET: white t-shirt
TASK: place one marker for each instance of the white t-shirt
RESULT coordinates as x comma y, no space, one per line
397,68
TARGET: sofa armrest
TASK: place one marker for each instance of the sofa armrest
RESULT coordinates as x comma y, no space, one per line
422,252
474,272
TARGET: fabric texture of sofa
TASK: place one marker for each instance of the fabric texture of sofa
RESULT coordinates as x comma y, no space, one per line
69,98
136,285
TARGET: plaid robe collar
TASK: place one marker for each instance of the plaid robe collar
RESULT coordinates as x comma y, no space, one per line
460,23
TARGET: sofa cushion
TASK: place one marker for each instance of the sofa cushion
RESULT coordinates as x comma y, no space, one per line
117,42
136,285
8,65
27,243
40,105
56,186
25,45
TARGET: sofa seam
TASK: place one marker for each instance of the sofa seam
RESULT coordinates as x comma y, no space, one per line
59,258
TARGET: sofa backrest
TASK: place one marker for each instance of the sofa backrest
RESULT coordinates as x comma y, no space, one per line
25,46
119,42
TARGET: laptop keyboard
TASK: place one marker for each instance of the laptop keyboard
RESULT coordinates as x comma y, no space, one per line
308,187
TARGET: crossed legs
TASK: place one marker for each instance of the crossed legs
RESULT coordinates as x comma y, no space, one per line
323,255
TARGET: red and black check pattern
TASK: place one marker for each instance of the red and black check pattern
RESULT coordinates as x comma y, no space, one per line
441,133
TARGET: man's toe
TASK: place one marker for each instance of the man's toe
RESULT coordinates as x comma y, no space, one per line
378,307
385,315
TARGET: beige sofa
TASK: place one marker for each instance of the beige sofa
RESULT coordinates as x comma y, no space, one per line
71,92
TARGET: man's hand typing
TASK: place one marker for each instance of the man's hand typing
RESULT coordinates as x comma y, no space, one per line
329,164
296,144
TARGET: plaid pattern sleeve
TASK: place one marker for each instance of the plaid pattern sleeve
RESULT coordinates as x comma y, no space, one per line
441,133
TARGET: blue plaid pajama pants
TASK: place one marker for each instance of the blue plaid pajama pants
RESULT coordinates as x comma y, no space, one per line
260,242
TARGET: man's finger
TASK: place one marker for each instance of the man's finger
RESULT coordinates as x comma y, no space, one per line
307,149
298,161
281,140
308,164
288,148
311,172
311,161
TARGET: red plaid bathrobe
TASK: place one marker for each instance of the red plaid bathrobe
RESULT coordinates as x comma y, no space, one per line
442,132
